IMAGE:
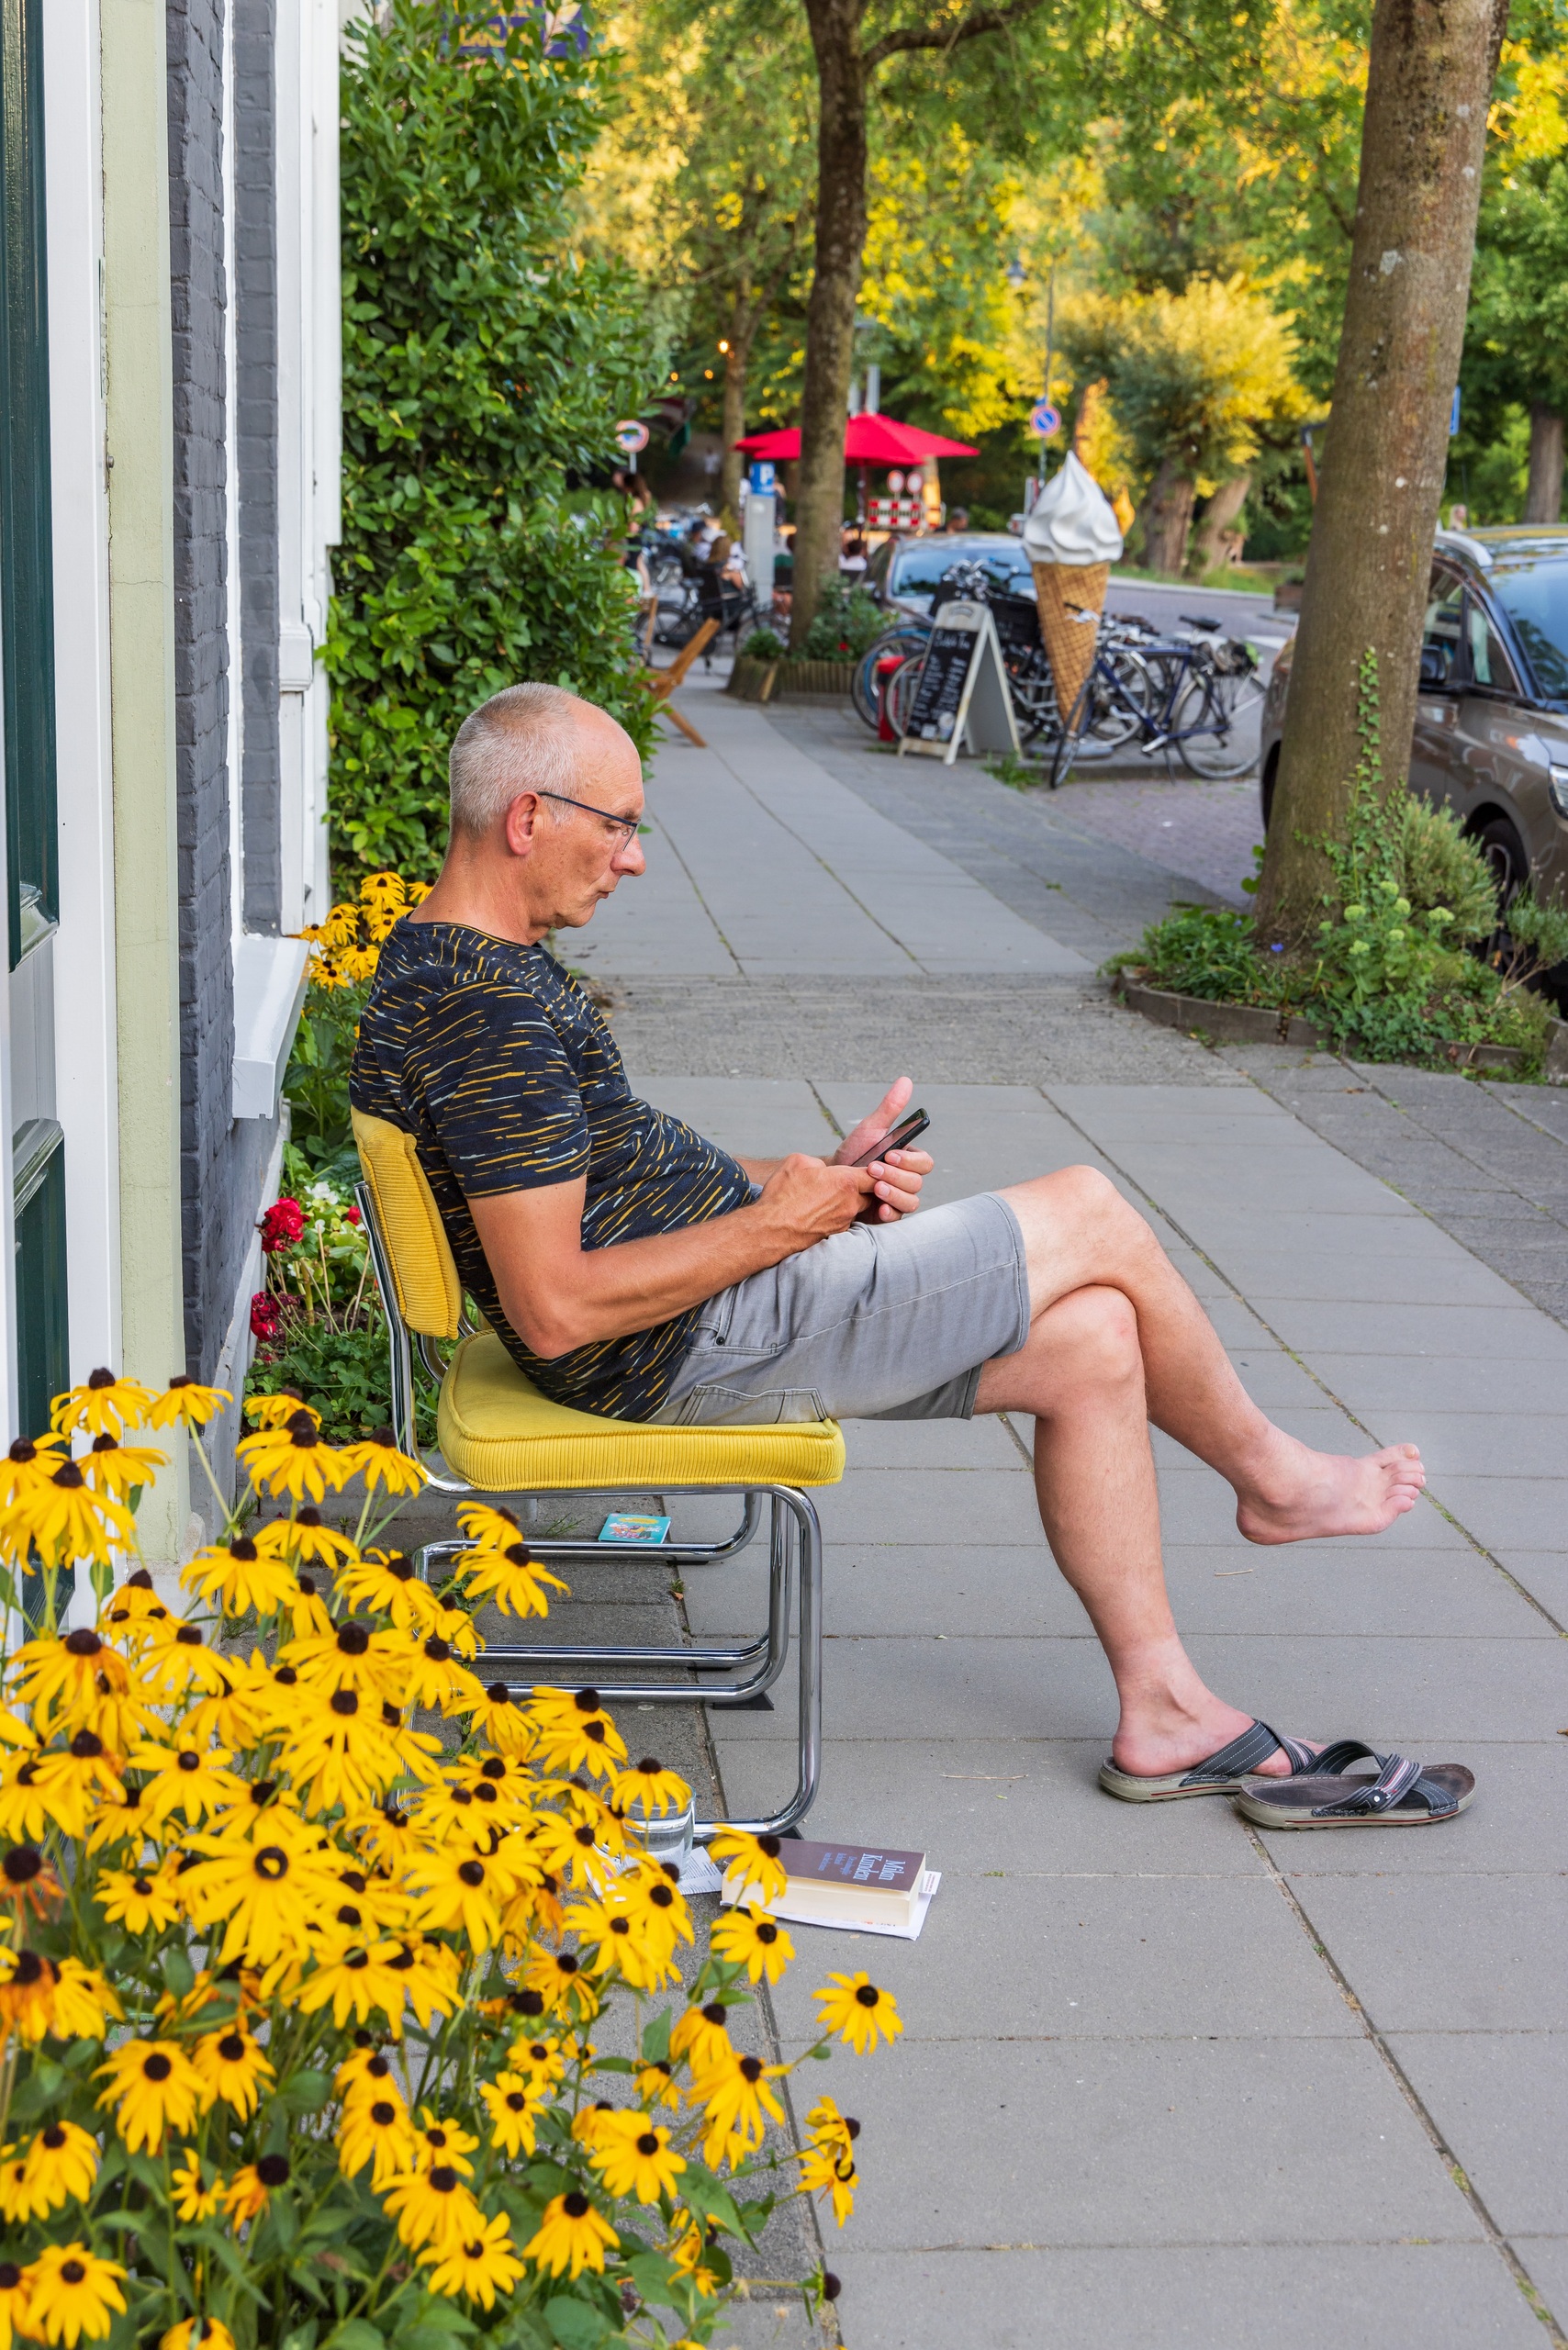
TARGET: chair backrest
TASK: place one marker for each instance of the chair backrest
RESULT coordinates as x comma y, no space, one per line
429,1295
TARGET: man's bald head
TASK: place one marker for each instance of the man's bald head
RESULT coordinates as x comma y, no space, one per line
526,738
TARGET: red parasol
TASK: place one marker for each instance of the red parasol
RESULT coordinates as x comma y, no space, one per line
868,440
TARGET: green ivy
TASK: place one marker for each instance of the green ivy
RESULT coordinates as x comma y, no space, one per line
485,367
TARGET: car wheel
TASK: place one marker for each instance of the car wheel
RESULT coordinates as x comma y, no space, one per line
1499,843
1267,783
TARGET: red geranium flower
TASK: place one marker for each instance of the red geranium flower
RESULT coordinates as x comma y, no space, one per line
266,1319
351,1215
282,1223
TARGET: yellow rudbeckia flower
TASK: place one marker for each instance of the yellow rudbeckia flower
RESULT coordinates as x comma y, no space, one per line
70,2292
852,2006
104,1406
750,1938
153,2089
293,1459
479,2267
185,1402
572,2236
636,2158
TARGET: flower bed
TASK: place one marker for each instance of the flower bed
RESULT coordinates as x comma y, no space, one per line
307,1931
790,680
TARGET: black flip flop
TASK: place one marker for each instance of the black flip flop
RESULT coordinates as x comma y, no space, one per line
1402,1795
1223,1772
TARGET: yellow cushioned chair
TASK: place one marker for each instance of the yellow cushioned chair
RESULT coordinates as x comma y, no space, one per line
496,1434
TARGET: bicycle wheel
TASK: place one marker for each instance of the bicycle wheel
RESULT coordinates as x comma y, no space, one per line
1214,725
1105,714
900,692
863,687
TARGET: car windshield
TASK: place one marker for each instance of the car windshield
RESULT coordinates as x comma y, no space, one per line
1535,597
917,567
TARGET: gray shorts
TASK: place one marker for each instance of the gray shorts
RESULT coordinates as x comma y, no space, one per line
883,1321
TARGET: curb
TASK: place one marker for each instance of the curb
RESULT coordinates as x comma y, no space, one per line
1227,1024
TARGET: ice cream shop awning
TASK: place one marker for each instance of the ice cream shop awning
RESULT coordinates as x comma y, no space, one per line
868,440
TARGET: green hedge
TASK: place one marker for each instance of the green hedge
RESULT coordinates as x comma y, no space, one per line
485,367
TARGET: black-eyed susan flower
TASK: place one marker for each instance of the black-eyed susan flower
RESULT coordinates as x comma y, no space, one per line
29,1462
114,1467
241,1577
198,2334
572,2236
439,2140
431,1973
575,1732
852,2006
756,1869
57,2167
355,1974
377,2130
500,1716
26,1811
141,1901
433,1677
504,1573
233,2066
72,2294
174,1658
558,1978
750,1938
291,1458
619,1938
736,2103
389,1584
196,2196
253,2184
479,2267
384,1833
540,2062
514,2104
349,1656
81,1775
434,2207
28,1886
305,1540
702,2034
65,1519
570,1849
103,1406
649,1785
655,2083
829,2170
380,1464
338,1750
58,1679
636,2158
153,2087
458,1889
15,2303
267,1884
185,1402
183,1781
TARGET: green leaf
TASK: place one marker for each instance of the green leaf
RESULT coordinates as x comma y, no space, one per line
179,1973
354,2333
656,2280
302,2337
707,2195
305,2092
612,2064
656,2039
574,2324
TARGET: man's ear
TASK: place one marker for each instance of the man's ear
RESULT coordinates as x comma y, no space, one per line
521,823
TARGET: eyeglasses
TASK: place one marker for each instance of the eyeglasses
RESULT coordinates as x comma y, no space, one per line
624,827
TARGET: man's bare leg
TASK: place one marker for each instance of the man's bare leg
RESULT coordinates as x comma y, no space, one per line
1079,1232
1085,1375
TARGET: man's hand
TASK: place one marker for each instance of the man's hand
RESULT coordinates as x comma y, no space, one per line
804,1200
897,1179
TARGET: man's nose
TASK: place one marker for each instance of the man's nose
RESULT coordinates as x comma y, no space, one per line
630,858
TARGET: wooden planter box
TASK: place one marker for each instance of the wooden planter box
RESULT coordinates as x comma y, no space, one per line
1227,1024
790,680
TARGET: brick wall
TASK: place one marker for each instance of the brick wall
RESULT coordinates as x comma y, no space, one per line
221,1161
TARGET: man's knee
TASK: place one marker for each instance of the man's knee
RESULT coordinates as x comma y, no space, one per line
1093,1331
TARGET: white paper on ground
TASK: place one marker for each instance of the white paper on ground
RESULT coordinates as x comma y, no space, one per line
910,1933
699,1874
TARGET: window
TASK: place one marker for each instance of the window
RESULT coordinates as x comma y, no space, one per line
1441,631
26,582
1535,597
1489,664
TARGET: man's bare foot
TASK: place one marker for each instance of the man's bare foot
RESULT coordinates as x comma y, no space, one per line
1308,1494
1172,1736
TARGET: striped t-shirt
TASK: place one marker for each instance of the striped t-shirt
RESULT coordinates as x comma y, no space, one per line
507,1079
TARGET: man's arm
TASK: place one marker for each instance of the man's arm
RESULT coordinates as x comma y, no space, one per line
558,1295
897,1179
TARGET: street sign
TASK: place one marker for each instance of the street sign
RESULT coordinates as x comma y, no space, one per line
1454,414
632,436
763,478
1045,420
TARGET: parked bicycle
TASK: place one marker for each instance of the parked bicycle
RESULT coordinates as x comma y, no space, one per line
1193,696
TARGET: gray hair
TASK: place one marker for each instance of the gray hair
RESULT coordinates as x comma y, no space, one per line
522,739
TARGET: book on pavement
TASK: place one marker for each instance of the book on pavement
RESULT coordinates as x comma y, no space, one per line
869,1889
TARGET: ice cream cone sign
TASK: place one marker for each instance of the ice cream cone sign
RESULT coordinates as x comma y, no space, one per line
1073,538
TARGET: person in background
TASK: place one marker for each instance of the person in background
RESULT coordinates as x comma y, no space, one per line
957,519
853,559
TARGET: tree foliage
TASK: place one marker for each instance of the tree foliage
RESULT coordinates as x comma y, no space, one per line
485,367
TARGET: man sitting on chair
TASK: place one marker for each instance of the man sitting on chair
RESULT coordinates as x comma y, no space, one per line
636,1271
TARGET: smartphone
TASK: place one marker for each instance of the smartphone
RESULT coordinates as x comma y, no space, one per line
909,1129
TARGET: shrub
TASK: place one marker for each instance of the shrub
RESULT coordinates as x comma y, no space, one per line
763,644
848,622
1440,867
300,2002
318,1322
485,367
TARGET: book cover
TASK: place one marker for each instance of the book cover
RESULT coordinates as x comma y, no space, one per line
632,1525
869,1889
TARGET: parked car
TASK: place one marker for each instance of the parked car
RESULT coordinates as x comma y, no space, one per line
902,573
1492,715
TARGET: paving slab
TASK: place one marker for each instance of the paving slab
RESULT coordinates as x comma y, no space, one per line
1500,2100
1364,2297
1419,1961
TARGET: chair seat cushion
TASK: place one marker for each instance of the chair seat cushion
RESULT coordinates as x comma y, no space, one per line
503,1436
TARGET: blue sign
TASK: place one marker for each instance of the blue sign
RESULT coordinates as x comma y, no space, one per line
1045,420
763,480
1454,414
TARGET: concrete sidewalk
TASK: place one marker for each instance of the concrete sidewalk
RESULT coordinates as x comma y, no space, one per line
1164,2081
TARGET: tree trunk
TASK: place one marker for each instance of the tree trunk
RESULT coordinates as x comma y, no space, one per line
1543,495
1429,79
829,313
1167,518
1219,514
736,359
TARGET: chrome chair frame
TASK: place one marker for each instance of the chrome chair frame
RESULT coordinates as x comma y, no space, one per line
795,1579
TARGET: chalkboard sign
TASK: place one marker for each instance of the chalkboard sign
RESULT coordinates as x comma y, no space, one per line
962,694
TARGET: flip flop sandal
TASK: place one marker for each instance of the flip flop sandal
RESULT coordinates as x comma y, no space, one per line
1402,1795
1224,1774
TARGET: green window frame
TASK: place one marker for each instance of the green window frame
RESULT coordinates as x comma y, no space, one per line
26,566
